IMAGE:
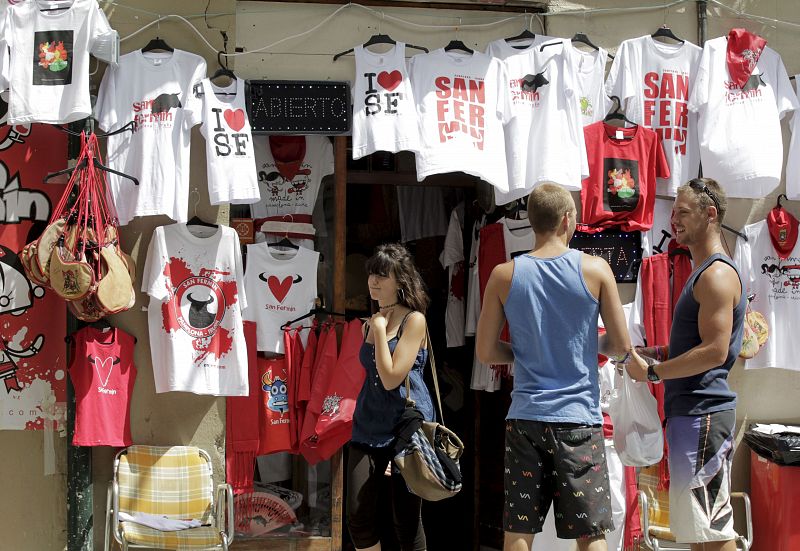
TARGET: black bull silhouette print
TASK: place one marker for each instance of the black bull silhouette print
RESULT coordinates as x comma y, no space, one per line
199,316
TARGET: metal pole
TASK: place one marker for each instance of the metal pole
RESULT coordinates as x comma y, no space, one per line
702,21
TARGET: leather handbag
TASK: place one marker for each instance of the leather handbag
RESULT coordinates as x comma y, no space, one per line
427,452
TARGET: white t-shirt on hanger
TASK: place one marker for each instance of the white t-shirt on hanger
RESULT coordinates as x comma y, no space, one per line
655,81
281,286
462,104
384,116
793,160
452,259
154,90
776,285
48,68
195,281
279,196
590,71
741,145
544,139
230,157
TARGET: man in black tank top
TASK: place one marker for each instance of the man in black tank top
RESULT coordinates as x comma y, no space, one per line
705,339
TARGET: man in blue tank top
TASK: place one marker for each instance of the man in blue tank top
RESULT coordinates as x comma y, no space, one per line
705,339
551,298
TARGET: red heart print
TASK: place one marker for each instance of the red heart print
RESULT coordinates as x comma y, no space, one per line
279,288
390,81
235,118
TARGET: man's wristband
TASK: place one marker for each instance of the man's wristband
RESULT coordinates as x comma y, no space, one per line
622,359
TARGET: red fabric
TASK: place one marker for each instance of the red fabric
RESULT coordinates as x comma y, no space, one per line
293,347
491,252
335,423
323,370
103,375
288,152
621,188
681,270
275,428
782,231
633,525
241,423
304,383
744,49
656,299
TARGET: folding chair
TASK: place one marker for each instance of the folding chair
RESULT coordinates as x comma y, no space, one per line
654,505
174,482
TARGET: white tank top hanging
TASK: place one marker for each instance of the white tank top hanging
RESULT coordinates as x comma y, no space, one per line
384,114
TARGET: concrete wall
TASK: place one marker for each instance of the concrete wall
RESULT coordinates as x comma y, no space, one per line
35,504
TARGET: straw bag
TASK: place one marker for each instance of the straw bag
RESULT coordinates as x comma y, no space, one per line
755,334
427,452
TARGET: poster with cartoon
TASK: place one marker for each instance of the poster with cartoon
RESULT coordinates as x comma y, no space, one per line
32,320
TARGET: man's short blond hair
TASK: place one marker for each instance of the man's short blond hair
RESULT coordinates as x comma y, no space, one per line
709,194
547,205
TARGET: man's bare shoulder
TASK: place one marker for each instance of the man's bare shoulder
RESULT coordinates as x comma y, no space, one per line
719,279
502,273
595,266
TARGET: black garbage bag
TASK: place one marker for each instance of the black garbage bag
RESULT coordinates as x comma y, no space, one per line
780,448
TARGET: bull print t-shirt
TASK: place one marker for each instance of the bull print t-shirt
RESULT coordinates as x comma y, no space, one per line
48,70
281,286
152,90
194,277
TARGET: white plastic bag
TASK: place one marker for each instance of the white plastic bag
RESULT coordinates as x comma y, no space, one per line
638,436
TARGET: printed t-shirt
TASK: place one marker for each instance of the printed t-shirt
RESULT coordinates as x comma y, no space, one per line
620,190
462,104
741,145
775,281
196,287
48,66
281,286
452,259
230,158
590,69
655,81
793,160
384,116
295,195
544,138
154,90
103,375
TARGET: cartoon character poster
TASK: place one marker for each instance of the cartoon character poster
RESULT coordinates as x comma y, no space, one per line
32,320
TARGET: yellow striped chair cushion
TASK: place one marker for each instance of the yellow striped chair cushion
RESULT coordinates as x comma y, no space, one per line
193,538
658,501
171,481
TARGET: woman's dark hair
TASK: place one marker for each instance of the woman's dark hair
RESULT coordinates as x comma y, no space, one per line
394,258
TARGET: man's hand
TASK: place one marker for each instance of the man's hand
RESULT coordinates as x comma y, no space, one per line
636,367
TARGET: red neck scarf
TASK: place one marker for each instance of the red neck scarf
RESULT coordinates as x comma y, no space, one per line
288,152
782,231
744,49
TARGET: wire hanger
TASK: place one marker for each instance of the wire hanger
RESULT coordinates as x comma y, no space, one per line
778,205
313,312
379,39
617,114
157,44
196,220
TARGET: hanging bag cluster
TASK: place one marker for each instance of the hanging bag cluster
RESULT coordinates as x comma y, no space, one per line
78,255
427,452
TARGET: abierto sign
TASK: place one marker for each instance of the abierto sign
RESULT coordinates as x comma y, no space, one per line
299,107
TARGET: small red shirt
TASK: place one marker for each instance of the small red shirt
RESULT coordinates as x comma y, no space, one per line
103,375
621,188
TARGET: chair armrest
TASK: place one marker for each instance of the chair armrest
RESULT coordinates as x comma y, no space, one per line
644,518
115,516
748,516
226,523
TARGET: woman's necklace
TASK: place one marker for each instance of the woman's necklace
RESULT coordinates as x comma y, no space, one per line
388,306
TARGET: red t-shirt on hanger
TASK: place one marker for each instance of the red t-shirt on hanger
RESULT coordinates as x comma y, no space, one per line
621,188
